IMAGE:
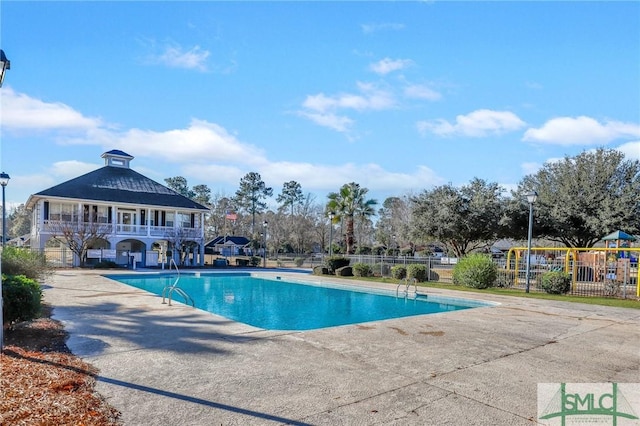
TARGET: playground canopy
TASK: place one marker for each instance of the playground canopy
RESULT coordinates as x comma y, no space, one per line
619,236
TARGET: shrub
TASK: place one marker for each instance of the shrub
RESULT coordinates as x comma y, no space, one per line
407,251
345,271
556,282
398,272
362,270
255,260
378,250
417,271
363,250
298,261
336,262
22,298
476,270
320,270
504,278
19,261
384,269
105,264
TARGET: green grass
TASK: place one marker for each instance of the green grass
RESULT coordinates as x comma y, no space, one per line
633,303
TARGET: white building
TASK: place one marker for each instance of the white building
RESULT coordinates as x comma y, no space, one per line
136,219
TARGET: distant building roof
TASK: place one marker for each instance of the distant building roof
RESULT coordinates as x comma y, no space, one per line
118,184
227,240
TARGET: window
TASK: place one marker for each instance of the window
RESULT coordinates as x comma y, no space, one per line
102,214
62,211
169,219
184,220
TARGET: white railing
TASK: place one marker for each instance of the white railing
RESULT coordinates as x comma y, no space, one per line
120,229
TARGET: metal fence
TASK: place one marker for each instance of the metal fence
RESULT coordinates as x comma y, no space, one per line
618,278
615,279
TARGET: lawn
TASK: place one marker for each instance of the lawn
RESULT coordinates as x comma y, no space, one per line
631,302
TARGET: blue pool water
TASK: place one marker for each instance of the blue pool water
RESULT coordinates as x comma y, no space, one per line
274,304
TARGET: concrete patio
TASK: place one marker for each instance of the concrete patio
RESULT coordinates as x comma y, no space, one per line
176,365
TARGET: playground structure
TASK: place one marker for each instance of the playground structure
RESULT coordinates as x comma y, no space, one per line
610,271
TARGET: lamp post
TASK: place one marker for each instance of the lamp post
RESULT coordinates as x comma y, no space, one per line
531,198
264,259
331,216
4,181
5,64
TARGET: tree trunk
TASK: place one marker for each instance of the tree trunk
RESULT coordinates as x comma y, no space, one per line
349,235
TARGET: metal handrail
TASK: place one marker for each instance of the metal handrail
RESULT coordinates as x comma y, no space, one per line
168,290
407,285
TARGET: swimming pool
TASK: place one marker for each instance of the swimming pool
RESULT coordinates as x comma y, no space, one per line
275,304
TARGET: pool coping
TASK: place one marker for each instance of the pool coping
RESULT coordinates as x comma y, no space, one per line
176,365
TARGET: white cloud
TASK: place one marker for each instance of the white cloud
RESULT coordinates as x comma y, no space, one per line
419,91
201,141
370,98
22,112
478,123
372,28
176,56
631,150
323,109
72,168
387,65
530,168
533,85
580,130
338,123
318,177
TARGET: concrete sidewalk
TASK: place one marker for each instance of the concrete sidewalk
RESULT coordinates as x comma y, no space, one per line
176,365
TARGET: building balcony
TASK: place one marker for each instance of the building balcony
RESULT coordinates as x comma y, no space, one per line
60,227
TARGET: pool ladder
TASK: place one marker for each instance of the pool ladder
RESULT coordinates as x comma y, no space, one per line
407,282
167,292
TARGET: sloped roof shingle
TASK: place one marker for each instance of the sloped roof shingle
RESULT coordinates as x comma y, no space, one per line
119,185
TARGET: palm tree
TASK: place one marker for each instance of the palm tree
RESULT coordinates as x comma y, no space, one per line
347,204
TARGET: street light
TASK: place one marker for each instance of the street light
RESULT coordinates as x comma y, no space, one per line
264,259
5,64
531,198
4,181
331,216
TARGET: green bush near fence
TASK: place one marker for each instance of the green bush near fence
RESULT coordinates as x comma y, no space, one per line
345,271
556,282
19,261
362,270
398,272
417,271
382,269
475,270
336,262
298,261
22,298
504,279
320,270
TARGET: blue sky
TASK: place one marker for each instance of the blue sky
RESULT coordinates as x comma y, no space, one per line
396,96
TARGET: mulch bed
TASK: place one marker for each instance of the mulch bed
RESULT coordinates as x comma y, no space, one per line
43,383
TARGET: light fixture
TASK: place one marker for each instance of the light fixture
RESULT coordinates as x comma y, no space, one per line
5,64
264,259
4,181
532,196
331,216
